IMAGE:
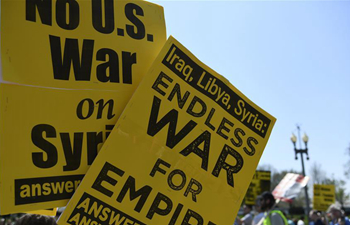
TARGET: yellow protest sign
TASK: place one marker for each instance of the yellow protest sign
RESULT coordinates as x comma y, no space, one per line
261,182
324,196
80,44
183,151
55,134
48,139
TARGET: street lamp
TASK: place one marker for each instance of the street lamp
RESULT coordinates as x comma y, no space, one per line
301,152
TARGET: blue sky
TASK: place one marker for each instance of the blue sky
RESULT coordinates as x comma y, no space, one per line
292,58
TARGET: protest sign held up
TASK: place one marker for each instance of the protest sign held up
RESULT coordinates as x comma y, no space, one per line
290,186
80,44
186,141
261,182
54,146
68,70
324,196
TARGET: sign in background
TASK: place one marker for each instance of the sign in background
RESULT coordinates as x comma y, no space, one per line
261,182
186,141
290,186
78,63
324,196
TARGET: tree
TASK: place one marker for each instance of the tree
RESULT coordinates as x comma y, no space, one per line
340,190
347,165
317,175
299,201
340,193
267,167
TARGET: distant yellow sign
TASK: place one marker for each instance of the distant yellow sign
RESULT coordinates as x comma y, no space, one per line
324,196
48,139
180,153
261,182
107,45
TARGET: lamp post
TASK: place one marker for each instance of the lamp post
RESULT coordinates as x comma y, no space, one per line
301,152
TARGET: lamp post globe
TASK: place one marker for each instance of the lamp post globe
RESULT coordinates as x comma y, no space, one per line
302,151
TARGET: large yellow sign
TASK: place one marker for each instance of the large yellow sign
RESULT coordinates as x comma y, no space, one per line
93,55
324,196
261,182
80,44
48,139
183,151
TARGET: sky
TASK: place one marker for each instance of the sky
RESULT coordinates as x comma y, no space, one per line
292,58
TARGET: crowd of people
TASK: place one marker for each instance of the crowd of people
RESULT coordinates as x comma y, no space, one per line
30,219
266,213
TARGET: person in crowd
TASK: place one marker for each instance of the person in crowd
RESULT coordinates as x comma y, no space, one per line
35,219
315,218
248,217
289,220
271,216
341,220
295,221
325,220
337,215
301,221
259,214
